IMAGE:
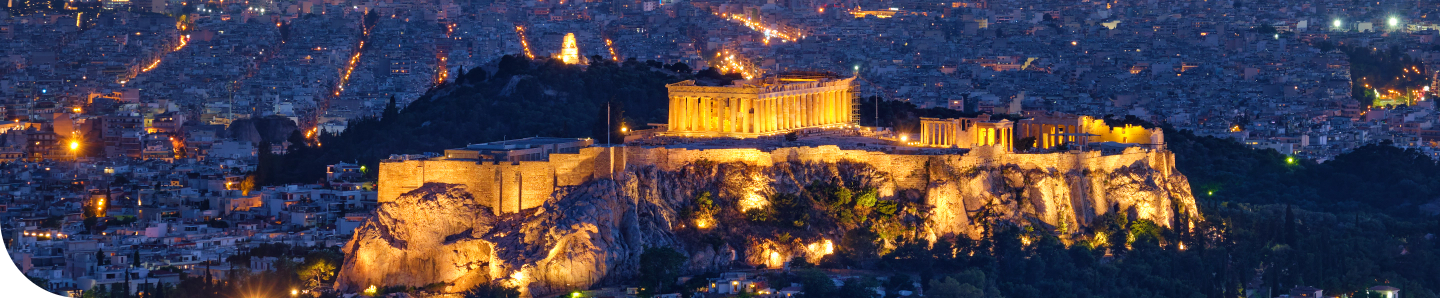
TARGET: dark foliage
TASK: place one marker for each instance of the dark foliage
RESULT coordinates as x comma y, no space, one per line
522,99
659,266
1383,70
492,291
1375,177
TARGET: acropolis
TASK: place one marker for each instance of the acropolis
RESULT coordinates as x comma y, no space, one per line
746,142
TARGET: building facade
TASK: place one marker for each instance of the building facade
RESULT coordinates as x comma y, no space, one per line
760,107
966,132
1038,130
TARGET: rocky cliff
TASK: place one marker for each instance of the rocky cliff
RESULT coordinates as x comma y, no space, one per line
727,212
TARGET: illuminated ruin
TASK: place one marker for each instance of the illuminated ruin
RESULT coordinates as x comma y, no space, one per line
767,106
569,52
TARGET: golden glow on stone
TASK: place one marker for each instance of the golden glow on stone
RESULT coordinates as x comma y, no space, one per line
753,200
569,52
821,248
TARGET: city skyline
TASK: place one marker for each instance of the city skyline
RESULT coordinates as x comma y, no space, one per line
320,148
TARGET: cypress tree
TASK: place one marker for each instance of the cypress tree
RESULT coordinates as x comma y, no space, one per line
1289,226
390,112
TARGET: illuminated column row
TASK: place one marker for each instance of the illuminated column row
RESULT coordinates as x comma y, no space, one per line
995,136
758,115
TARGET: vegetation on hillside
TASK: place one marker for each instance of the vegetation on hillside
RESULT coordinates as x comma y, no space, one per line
522,98
1385,76
1375,177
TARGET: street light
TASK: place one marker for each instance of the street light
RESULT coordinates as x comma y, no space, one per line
1394,22
1338,23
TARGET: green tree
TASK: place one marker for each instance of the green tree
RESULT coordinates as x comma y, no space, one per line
859,288
487,290
320,266
660,266
815,283
391,111
951,288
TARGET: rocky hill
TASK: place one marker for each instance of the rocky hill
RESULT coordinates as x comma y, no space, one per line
730,213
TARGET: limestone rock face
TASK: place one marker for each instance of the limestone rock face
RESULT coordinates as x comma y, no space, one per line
968,197
594,233
424,237
439,234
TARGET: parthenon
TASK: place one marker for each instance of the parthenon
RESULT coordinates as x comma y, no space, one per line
759,107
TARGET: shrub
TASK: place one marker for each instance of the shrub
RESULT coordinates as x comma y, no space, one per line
887,208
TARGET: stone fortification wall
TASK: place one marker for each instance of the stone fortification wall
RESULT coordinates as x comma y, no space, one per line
1062,189
505,187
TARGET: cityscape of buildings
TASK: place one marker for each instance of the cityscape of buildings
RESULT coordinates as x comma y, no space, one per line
171,95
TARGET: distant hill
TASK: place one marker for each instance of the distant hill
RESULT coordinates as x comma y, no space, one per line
1375,177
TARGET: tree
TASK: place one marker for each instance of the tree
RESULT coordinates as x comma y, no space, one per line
488,290
800,263
390,112
660,266
859,245
320,267
679,67
285,31
371,18
816,283
859,288
1289,236
247,185
511,65
476,75
951,288
1325,46
611,117
1265,28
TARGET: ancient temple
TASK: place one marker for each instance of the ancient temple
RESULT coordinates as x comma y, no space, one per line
1045,130
966,132
759,107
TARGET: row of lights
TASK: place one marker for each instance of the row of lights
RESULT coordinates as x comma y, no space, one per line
1393,22
40,234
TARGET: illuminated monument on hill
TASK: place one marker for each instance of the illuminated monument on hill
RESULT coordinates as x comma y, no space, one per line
760,107
569,51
